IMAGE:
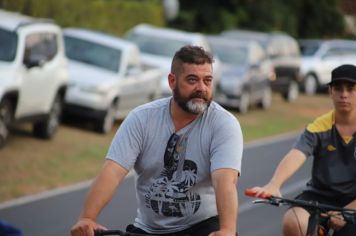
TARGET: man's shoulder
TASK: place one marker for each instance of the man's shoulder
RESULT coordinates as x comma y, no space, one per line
322,123
153,106
217,110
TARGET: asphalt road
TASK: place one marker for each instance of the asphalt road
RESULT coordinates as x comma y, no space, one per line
52,213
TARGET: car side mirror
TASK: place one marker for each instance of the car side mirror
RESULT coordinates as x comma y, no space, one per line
33,61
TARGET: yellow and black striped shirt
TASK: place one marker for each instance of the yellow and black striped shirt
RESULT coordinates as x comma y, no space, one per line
334,164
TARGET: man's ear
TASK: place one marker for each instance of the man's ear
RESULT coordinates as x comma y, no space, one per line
172,80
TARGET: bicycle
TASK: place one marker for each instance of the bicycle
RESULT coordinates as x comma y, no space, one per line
314,208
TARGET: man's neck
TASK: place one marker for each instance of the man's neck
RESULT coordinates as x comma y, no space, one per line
345,118
346,123
180,117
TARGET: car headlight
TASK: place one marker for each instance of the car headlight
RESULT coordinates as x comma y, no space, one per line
93,89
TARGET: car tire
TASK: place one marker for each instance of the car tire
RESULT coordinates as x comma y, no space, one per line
6,114
105,125
310,85
266,100
47,128
244,102
292,93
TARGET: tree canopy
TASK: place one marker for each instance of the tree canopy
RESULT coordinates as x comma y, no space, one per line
300,18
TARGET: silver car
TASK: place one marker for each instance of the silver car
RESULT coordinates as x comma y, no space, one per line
246,73
283,51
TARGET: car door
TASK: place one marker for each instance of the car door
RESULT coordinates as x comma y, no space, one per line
134,89
38,85
257,71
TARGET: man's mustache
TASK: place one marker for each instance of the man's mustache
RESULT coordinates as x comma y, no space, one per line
200,95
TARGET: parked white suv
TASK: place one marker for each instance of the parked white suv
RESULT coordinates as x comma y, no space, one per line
107,79
33,74
320,57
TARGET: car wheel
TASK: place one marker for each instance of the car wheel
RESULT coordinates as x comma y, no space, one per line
5,120
266,100
244,102
310,85
47,128
292,93
105,125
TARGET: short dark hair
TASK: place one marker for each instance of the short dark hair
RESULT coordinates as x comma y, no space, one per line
191,55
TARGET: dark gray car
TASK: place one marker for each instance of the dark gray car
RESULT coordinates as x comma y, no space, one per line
284,54
246,73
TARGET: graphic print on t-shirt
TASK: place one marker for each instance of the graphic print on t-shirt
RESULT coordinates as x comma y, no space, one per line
170,193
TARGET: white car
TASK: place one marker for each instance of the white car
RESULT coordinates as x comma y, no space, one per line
107,79
33,74
158,45
320,57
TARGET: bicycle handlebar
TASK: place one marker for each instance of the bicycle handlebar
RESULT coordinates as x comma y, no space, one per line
348,214
101,232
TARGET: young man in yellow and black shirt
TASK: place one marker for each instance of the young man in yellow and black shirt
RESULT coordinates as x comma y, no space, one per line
331,140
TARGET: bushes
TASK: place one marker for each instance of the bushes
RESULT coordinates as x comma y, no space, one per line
110,16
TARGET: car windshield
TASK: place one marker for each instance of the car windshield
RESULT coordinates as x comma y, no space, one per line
309,49
156,45
8,43
231,54
92,53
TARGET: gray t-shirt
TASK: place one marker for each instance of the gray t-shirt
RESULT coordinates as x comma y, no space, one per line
174,188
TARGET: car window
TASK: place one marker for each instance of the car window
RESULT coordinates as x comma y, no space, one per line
332,52
8,45
309,49
40,46
92,53
281,46
231,54
349,51
276,47
156,45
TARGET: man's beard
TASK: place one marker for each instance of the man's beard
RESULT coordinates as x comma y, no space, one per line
188,105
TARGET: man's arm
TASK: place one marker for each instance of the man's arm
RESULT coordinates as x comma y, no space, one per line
224,182
351,205
100,193
291,162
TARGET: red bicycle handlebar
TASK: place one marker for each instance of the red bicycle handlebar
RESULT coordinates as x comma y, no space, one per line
251,193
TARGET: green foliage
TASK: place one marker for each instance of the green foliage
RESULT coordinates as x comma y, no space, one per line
320,18
300,18
110,16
